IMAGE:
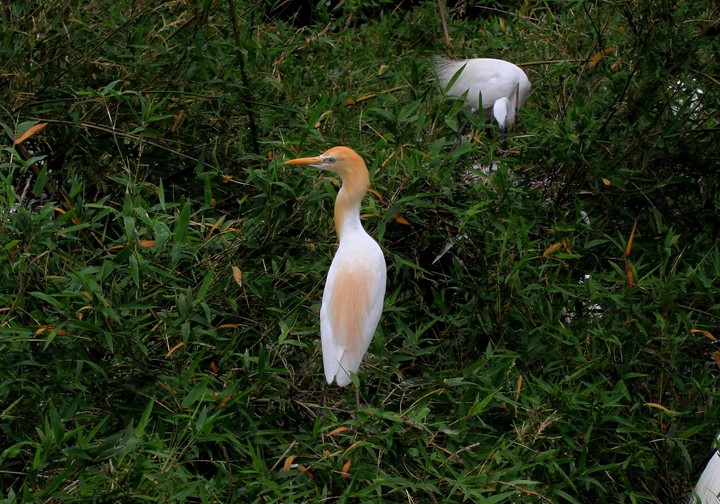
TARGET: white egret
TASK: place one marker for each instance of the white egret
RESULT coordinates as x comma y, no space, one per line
496,87
707,488
353,297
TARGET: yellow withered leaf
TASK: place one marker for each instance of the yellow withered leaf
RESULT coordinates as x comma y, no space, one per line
631,277
338,431
607,181
660,407
365,97
552,248
46,328
502,25
179,116
287,466
628,249
707,334
716,358
305,471
237,275
519,387
224,401
172,350
595,58
376,194
30,132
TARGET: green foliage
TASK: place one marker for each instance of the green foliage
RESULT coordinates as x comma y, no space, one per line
548,326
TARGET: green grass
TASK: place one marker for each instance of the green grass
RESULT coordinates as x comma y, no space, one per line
161,270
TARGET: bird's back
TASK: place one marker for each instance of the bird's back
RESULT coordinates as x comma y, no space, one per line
487,77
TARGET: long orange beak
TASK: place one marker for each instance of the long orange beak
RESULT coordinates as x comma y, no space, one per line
310,161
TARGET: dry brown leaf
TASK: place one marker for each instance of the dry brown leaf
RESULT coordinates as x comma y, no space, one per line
346,468
716,358
147,243
287,466
217,223
502,25
305,471
401,220
606,181
519,387
29,132
179,116
707,334
383,68
552,248
172,350
224,402
628,249
237,275
334,180
659,406
628,270
351,101
338,431
376,194
228,326
46,328
595,58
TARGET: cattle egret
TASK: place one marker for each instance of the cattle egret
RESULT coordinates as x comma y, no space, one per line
502,86
353,297
707,489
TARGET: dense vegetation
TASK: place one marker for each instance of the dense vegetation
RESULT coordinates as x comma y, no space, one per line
550,326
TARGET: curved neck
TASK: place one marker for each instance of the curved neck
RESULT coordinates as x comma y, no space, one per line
347,203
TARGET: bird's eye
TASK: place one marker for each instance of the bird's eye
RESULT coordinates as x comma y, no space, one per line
329,159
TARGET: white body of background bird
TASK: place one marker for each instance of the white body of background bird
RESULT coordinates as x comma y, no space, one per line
707,489
497,87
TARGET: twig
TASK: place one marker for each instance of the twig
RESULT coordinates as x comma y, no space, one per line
443,23
246,82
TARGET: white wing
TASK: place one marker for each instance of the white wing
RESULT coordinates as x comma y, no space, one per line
708,486
486,78
352,305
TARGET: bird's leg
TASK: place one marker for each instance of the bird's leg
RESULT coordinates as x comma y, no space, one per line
323,395
503,142
461,130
